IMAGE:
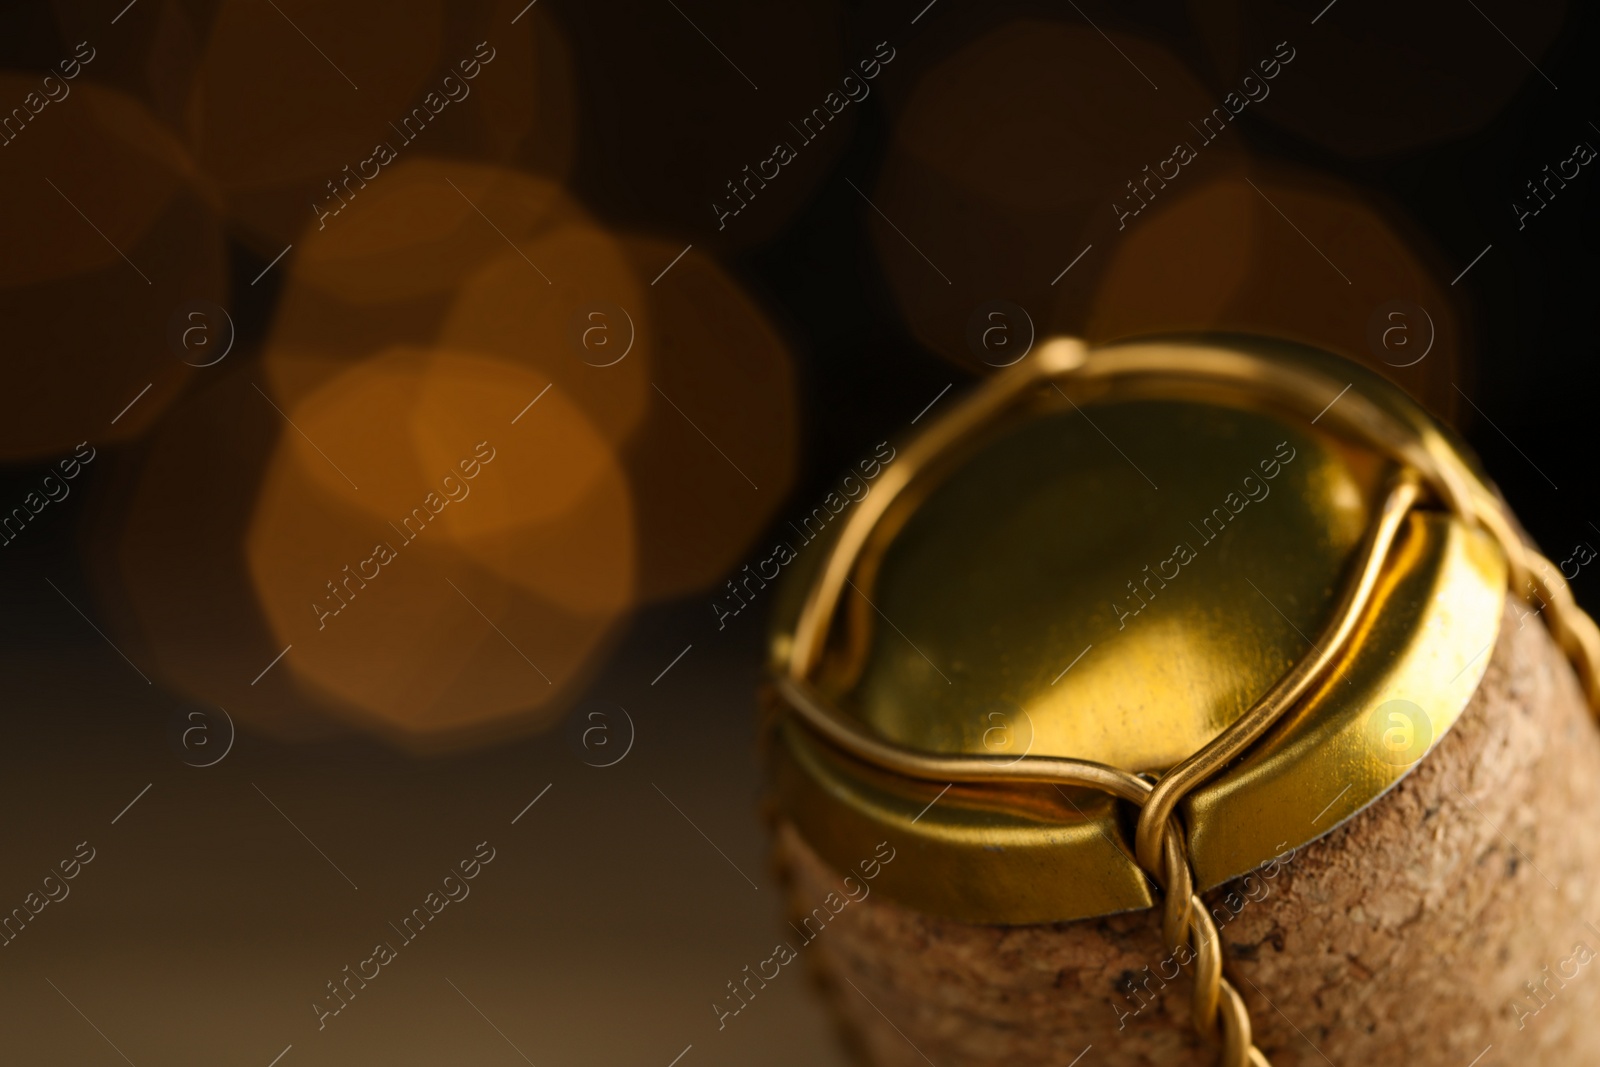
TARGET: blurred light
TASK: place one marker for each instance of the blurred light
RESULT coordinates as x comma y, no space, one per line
1289,255
388,270
469,582
169,571
1007,161
107,231
569,304
721,370
292,107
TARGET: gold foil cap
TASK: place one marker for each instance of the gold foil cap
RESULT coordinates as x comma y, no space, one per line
1111,558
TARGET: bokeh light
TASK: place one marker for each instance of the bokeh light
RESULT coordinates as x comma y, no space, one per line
390,270
1009,158
1286,254
104,211
470,582
719,358
297,112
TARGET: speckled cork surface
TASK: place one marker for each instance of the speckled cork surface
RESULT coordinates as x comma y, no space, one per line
1457,917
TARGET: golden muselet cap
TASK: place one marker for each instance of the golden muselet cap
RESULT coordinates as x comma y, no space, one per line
1170,607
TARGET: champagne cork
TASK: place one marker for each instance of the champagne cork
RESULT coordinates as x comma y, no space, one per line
1308,785
1457,913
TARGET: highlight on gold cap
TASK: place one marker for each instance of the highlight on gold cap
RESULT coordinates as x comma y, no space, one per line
1063,678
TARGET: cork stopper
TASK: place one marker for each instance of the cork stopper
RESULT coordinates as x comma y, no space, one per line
1456,913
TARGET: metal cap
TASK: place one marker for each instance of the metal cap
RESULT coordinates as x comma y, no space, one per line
1111,557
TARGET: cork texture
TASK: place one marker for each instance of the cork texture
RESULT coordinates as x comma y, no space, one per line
1458,912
